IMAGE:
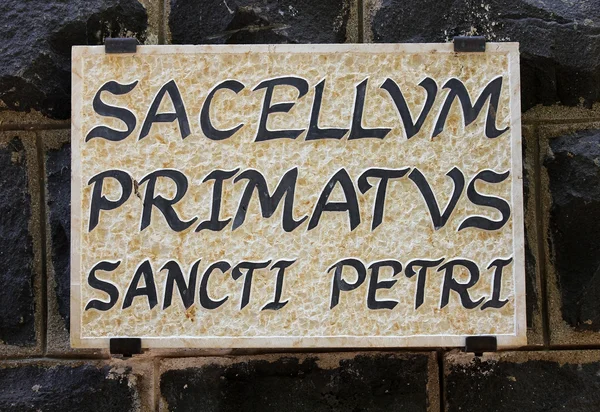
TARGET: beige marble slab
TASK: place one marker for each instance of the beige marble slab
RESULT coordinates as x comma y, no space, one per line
405,234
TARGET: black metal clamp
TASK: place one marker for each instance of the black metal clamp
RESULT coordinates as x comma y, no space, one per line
120,45
480,344
469,44
127,347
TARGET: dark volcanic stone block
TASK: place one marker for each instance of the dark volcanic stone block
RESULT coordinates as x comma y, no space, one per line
531,274
525,381
58,177
559,41
530,284
264,21
35,52
369,382
66,387
17,304
574,180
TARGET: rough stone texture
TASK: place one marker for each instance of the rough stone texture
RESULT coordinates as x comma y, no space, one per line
17,265
37,37
532,276
28,120
58,175
68,386
155,32
529,257
574,182
368,382
525,381
531,287
560,41
57,158
556,114
258,21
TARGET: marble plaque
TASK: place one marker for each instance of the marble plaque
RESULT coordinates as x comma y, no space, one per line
297,196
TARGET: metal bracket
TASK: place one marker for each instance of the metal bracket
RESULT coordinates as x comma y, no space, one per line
480,344
125,346
120,45
469,44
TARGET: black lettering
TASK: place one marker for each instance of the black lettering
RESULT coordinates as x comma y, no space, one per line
214,224
263,133
410,127
120,113
175,275
236,273
149,290
106,287
314,131
338,284
350,205
268,203
494,301
422,276
207,128
100,202
439,220
375,284
277,304
206,300
461,288
384,175
495,202
470,111
357,131
179,114
164,205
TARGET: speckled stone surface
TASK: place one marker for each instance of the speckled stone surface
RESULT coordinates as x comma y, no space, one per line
406,233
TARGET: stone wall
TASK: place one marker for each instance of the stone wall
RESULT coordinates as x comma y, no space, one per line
560,70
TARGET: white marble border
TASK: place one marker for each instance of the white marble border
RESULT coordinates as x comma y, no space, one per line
76,138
